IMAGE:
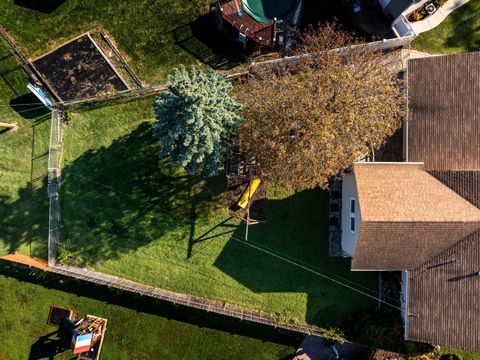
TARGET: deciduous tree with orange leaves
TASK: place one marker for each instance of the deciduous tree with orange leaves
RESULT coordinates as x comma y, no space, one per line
309,119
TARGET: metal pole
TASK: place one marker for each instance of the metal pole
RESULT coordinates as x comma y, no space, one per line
248,205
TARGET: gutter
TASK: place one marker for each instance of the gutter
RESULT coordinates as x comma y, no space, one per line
405,312
405,128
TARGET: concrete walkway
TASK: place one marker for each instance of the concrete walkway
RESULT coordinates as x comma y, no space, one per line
435,19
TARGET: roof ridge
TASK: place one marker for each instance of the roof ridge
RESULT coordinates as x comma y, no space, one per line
462,242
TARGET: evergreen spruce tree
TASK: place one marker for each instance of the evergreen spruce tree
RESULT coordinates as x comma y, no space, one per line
195,119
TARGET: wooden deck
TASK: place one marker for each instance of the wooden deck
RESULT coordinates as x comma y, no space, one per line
261,33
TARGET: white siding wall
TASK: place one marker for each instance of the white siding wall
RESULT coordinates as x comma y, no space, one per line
349,239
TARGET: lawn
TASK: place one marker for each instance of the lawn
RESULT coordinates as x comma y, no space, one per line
128,213
137,327
459,32
154,36
23,163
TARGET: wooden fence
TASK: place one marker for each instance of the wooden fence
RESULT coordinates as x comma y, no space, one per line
179,298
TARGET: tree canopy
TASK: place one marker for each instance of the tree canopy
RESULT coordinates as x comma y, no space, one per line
195,120
310,119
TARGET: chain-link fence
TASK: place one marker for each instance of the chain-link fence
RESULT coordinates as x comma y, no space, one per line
54,177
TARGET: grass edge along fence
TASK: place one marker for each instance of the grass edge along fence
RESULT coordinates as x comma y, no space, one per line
54,179
195,302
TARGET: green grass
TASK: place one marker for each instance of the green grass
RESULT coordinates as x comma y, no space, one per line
459,32
23,163
155,36
128,213
137,328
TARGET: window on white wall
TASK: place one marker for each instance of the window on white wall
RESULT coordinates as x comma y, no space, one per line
352,215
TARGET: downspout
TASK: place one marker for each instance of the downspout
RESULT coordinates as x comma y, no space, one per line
405,314
405,136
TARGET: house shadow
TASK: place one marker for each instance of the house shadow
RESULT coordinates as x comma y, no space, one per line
45,6
119,198
315,12
202,39
294,238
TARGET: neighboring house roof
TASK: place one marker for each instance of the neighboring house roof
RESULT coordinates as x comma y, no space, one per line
444,104
404,217
444,297
444,132
464,183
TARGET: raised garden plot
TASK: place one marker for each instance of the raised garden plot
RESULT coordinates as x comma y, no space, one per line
78,70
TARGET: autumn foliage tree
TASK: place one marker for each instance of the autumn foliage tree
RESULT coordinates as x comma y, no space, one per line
310,119
195,120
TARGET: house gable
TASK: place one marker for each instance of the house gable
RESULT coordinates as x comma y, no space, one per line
405,219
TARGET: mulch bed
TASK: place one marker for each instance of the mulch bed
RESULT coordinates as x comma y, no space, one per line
77,70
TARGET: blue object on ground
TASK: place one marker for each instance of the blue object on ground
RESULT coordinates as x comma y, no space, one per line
334,349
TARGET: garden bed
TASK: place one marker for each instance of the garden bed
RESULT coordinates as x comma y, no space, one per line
422,12
78,70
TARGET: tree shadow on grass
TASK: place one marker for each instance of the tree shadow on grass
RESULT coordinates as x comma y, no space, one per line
201,39
296,229
45,6
24,220
120,198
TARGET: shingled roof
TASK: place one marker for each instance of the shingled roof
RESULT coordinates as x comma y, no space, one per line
444,132
444,103
443,297
405,220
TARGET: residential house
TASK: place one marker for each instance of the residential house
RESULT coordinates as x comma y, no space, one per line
422,216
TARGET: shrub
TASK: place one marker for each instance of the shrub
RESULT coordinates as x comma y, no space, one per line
66,256
417,15
451,356
439,3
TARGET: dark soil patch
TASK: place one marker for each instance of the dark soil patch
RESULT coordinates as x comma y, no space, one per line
77,70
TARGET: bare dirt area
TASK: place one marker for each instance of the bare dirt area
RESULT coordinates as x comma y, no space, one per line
78,70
